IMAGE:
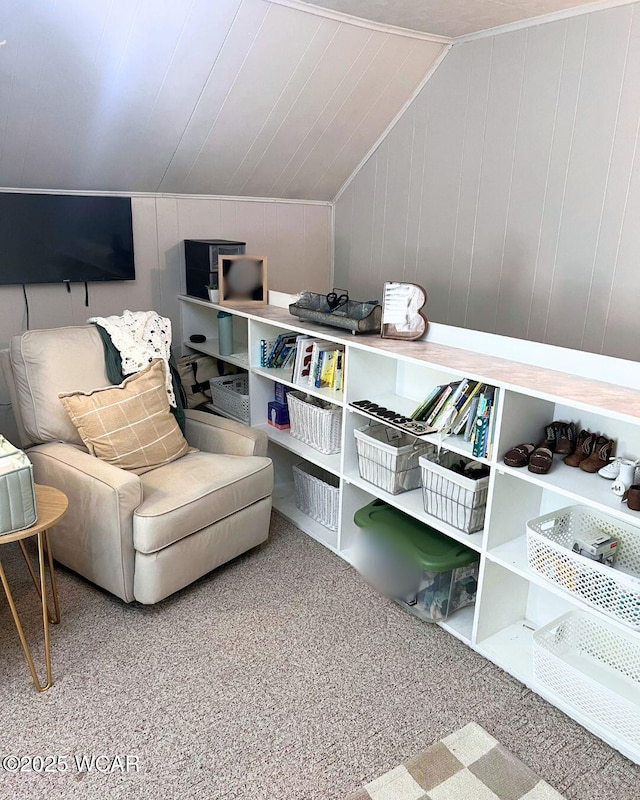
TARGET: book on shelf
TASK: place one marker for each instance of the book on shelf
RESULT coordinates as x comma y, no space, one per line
266,345
480,436
464,407
441,405
274,352
327,369
449,413
304,349
471,418
339,372
459,423
492,429
298,357
322,374
425,407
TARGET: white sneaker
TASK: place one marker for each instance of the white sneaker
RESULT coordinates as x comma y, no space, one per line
611,470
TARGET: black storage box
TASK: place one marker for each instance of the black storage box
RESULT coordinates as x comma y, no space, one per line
201,262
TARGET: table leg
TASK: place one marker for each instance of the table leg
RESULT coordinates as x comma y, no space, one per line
45,615
54,619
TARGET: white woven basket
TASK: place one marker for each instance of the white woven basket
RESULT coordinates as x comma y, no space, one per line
317,494
391,465
593,668
449,496
613,590
230,395
315,422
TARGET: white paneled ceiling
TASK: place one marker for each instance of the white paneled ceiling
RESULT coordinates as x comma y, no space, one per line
449,17
235,97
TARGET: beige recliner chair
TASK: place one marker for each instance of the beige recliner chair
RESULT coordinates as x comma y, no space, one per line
139,537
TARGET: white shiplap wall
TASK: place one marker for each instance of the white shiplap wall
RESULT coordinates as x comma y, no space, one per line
295,237
218,97
510,188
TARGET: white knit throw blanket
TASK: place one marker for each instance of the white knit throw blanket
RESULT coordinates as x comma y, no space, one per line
140,336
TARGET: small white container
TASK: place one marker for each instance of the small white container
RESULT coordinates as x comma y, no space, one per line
595,669
613,590
315,422
317,494
230,396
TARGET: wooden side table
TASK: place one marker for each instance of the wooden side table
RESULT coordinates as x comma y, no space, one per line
52,505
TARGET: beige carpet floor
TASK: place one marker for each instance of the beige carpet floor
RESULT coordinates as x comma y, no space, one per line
282,676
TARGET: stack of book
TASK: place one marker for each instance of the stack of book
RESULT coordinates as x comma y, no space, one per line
464,408
278,352
313,362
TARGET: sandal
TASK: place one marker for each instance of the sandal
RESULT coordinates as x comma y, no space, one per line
541,460
519,455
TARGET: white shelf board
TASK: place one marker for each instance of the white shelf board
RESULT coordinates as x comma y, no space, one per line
460,624
512,650
406,407
283,438
411,503
579,486
284,502
210,348
285,376
513,556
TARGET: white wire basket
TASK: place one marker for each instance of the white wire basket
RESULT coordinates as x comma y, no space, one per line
594,668
230,396
613,590
315,422
317,494
392,464
451,497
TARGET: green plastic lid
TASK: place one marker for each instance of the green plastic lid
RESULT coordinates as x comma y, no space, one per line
431,550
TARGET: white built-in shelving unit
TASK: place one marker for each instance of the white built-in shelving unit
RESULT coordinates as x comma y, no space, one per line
537,384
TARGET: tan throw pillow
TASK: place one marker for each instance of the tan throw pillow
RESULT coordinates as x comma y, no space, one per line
129,426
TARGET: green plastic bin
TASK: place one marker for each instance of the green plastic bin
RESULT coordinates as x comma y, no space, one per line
428,573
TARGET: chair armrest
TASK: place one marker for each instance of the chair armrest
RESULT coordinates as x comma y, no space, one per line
95,537
219,435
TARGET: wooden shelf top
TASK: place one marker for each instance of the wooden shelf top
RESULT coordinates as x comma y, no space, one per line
546,383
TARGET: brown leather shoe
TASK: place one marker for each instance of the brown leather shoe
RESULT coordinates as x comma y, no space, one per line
518,456
584,445
541,460
566,439
600,455
550,437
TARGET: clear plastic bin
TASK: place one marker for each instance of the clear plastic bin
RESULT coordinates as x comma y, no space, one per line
426,572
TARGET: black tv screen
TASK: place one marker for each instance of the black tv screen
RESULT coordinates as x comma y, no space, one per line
49,238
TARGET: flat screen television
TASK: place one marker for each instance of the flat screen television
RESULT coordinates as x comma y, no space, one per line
53,238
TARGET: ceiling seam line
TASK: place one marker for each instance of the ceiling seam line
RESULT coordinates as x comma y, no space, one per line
199,98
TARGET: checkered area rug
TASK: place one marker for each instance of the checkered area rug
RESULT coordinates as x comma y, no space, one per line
468,765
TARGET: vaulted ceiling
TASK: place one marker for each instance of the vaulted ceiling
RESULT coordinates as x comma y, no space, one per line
234,97
449,17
